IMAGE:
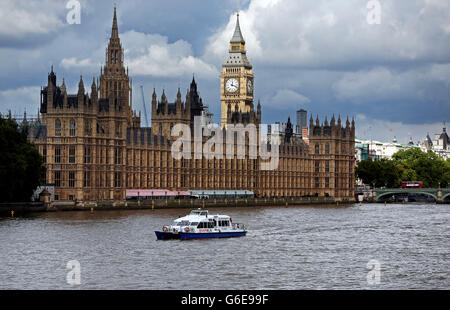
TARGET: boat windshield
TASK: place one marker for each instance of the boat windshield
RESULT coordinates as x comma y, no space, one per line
201,213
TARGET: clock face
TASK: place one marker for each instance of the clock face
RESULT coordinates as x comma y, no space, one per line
232,85
250,86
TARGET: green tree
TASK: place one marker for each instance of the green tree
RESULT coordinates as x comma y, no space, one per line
406,173
445,181
368,171
389,174
21,165
408,165
379,173
409,156
420,166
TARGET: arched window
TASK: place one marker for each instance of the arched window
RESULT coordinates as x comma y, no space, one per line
327,148
317,149
58,128
72,128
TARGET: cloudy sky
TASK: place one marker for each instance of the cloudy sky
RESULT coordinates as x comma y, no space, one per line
324,56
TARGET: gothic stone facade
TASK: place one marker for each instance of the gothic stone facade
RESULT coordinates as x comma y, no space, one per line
95,148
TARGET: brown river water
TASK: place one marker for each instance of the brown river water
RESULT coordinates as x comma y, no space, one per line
286,248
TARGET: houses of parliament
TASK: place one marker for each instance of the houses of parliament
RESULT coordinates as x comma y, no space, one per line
94,146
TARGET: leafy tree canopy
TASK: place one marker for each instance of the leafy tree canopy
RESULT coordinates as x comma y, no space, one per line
408,165
21,165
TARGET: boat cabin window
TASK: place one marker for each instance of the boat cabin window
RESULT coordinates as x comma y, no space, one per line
224,223
206,224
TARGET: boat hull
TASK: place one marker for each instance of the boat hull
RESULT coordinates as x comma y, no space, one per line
162,235
234,234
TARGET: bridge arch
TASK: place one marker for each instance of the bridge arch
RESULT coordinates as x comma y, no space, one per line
446,196
396,192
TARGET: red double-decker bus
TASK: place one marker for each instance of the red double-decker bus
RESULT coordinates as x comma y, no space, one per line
412,184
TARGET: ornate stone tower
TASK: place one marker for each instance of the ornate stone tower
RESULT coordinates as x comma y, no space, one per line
236,79
165,115
115,85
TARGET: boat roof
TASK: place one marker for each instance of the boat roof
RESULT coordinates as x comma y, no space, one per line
201,215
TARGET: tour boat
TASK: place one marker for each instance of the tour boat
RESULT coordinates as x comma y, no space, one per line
200,224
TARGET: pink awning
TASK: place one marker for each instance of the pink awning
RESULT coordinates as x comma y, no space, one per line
154,192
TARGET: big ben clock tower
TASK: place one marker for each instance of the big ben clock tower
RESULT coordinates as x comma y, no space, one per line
236,79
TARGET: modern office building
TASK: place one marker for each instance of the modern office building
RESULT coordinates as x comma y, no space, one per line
301,121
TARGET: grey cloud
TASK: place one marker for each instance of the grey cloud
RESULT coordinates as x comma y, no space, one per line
322,50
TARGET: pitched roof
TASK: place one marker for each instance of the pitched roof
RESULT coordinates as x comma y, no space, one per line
444,136
237,36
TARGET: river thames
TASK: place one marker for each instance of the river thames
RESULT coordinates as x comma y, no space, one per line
286,248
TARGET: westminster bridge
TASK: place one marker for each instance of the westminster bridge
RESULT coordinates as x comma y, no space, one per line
439,194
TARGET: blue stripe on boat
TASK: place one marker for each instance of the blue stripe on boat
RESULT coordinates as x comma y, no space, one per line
184,236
